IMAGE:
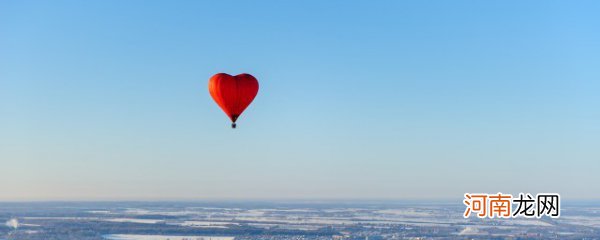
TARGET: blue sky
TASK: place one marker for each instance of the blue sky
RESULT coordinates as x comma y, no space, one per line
107,100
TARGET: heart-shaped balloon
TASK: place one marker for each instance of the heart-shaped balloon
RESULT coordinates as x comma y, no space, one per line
233,93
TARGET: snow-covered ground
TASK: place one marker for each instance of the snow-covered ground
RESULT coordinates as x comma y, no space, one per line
162,237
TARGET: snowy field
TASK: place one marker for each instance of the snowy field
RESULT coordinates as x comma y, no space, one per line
162,237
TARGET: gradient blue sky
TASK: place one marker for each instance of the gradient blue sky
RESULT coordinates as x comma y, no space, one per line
107,100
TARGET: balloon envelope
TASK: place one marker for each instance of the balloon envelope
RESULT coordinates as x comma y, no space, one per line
233,93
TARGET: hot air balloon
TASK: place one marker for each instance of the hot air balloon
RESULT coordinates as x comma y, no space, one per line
233,93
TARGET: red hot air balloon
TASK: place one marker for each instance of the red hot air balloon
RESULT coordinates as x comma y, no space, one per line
233,93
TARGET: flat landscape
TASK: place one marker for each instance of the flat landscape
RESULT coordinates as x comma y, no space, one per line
280,220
